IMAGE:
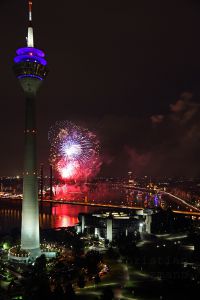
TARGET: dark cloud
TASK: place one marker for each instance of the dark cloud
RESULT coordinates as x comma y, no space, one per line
161,145
156,119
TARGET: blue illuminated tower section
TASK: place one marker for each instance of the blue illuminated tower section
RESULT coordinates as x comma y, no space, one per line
30,69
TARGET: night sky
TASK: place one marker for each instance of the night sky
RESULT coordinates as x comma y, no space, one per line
127,70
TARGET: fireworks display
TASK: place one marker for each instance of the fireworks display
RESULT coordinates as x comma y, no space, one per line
74,151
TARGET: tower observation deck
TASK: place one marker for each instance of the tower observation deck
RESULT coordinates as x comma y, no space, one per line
30,67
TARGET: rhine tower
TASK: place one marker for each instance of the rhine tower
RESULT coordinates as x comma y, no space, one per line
31,69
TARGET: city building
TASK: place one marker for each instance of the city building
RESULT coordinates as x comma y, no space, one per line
111,224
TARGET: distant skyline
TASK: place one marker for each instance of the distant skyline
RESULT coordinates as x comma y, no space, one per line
130,71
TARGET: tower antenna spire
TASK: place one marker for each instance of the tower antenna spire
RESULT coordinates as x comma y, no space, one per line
30,4
30,38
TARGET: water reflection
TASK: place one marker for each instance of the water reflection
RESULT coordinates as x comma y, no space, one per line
9,219
66,215
61,215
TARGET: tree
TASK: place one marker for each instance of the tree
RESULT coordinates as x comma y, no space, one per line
92,260
106,242
69,292
40,265
127,247
112,253
97,279
37,284
107,294
58,293
77,246
81,281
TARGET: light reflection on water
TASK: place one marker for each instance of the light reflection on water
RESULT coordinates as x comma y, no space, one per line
62,215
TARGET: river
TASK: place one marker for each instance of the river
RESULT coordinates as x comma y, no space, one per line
61,215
